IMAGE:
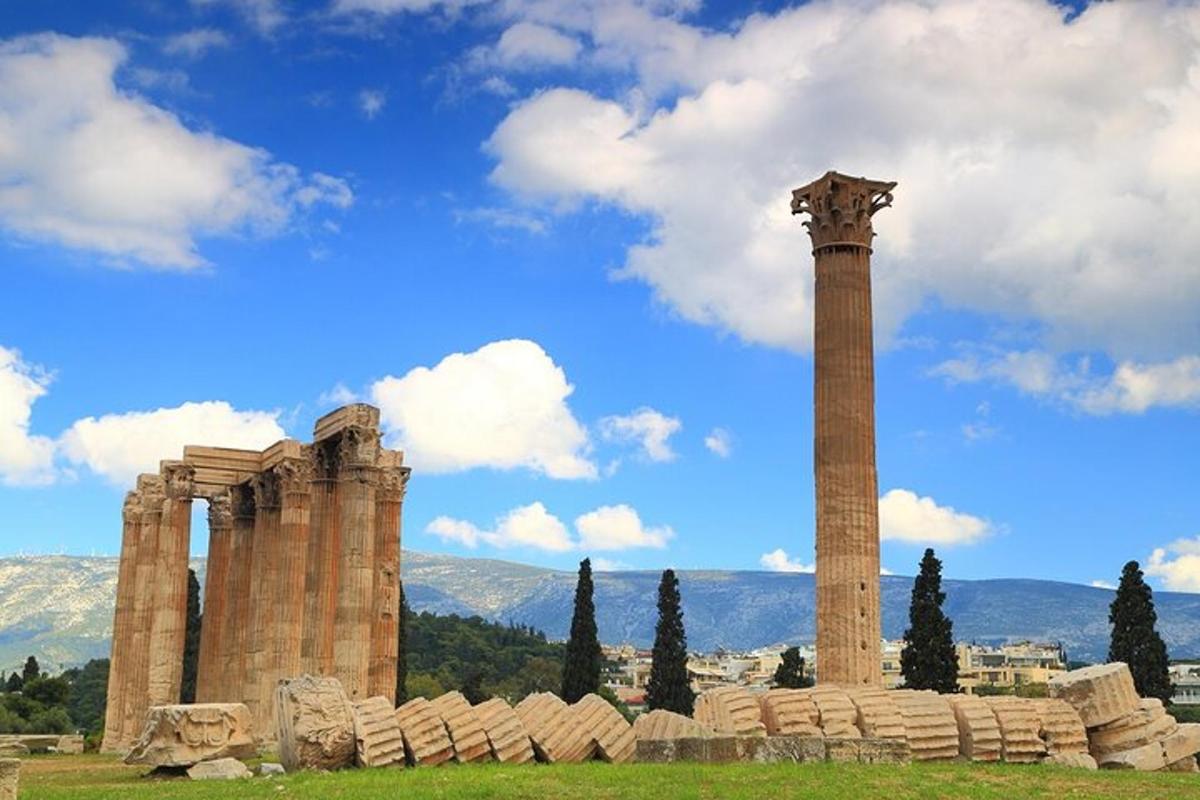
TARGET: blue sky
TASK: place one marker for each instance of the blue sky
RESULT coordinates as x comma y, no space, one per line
551,239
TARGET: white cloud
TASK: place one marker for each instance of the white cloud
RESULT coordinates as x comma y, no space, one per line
120,446
527,526
400,6
503,406
339,395
619,528
720,441
1102,585
608,565
505,218
528,44
25,459
195,43
371,102
778,561
265,16
1066,199
1177,564
650,428
906,517
1132,388
89,166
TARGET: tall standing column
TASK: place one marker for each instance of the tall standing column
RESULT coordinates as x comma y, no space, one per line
358,479
320,580
122,622
294,477
385,630
264,600
151,489
847,536
169,627
235,633
216,596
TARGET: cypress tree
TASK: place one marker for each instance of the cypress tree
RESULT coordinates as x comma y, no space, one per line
402,652
1134,639
31,671
669,687
14,683
790,672
191,641
581,664
928,660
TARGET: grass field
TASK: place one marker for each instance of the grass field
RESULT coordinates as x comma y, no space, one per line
84,777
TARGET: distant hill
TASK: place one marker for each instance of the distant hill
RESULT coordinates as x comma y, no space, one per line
59,608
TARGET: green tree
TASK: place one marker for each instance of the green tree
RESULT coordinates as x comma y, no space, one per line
14,683
790,672
928,660
89,690
421,684
402,652
581,664
611,697
31,671
1134,638
472,688
669,686
191,641
47,691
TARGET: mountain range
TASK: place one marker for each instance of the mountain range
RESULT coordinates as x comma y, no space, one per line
59,608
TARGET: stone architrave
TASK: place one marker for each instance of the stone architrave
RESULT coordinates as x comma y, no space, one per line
379,742
509,742
1019,727
314,724
426,741
357,483
1101,693
847,527
182,735
466,732
209,668
1060,727
610,733
729,710
122,623
836,713
235,631
385,616
552,729
978,731
663,724
929,725
152,490
10,778
878,715
169,620
789,712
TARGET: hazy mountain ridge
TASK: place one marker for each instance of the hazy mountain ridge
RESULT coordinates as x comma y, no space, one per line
59,608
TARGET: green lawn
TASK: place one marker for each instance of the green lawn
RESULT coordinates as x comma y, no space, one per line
83,777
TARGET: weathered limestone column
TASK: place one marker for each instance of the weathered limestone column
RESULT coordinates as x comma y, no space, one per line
847,536
294,478
169,627
320,581
385,629
209,670
152,490
235,632
122,623
264,599
358,479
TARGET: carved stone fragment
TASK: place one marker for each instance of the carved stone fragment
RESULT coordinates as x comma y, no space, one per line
610,734
1019,727
729,710
509,742
552,729
1060,727
466,732
426,742
978,731
182,735
377,737
663,724
878,715
314,724
789,712
836,713
930,726
1101,694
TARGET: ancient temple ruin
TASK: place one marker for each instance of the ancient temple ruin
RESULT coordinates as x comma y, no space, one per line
302,575
847,534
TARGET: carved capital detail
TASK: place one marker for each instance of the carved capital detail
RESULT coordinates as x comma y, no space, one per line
266,489
841,208
295,474
180,480
393,481
326,460
359,446
153,490
132,509
220,510
243,501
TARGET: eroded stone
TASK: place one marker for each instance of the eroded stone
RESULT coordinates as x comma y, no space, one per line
466,733
182,735
314,724
426,741
220,769
377,737
509,742
1101,693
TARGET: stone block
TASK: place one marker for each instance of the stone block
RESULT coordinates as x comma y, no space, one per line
182,735
788,712
843,751
1060,727
1101,694
930,727
692,749
220,769
552,729
466,732
377,738
70,745
782,749
426,741
1138,728
611,734
314,724
507,737
884,751
1182,765
269,769
1020,742
1072,760
878,715
836,713
1182,743
663,724
1147,758
656,751
978,732
10,778
729,710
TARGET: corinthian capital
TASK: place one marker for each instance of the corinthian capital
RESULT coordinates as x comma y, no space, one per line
359,446
132,509
841,208
180,480
220,510
295,474
266,489
393,480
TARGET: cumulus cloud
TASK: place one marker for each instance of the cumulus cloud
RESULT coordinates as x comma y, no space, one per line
528,44
527,526
120,446
89,166
25,459
719,441
904,516
619,528
195,43
371,102
778,561
1067,198
502,406
265,16
651,429
1177,564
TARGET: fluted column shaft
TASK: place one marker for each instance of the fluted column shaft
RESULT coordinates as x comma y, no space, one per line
169,626
294,477
137,675
235,635
321,577
122,623
385,630
264,600
358,479
210,668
